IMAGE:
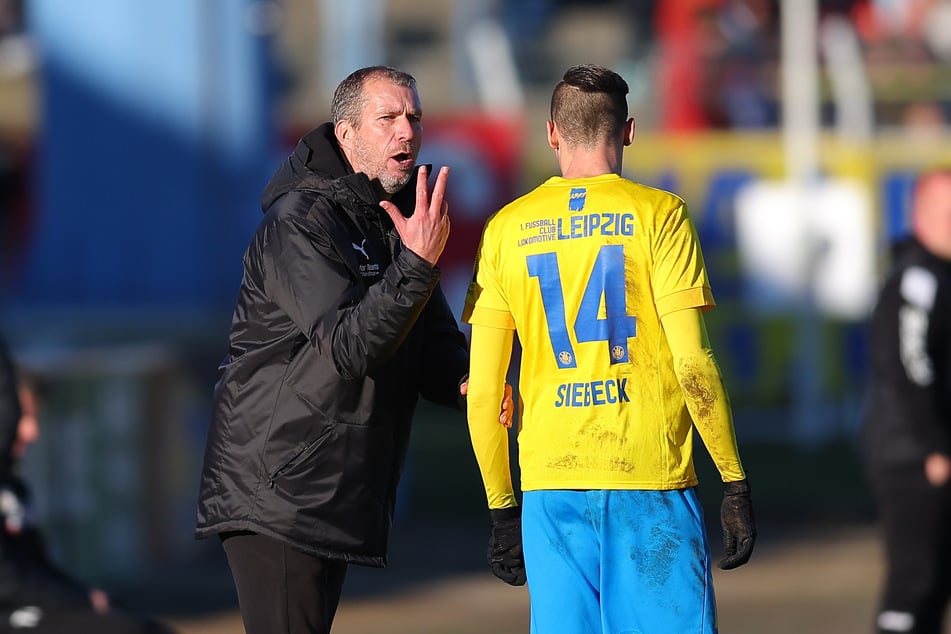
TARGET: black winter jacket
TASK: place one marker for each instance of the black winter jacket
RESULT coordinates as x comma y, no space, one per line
337,332
908,409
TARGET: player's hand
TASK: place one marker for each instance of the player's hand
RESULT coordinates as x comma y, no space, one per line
425,232
505,546
739,526
508,404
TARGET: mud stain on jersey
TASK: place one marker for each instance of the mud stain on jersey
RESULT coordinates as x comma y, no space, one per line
603,435
566,462
620,464
698,389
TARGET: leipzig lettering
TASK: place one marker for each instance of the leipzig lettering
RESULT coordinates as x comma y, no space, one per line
604,224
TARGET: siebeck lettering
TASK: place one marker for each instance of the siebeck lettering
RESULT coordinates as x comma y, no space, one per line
592,393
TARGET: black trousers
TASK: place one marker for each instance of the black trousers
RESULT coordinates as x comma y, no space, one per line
282,590
915,518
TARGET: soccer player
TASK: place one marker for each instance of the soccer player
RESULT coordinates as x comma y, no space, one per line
603,281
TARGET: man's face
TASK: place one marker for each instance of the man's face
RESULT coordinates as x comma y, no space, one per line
386,141
933,215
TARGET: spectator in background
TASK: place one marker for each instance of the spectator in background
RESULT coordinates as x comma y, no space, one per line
906,431
35,594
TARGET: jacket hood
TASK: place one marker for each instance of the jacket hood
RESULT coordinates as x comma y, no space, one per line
318,162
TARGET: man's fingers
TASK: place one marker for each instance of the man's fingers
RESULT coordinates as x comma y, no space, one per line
738,552
394,213
745,549
738,558
729,543
438,200
422,188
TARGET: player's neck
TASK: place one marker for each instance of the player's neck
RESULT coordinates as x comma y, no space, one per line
581,163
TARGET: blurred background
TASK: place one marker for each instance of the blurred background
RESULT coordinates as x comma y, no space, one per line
135,140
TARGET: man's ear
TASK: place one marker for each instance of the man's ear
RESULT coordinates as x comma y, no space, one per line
343,131
629,131
553,138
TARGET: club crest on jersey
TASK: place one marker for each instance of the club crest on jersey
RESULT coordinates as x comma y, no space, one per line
576,198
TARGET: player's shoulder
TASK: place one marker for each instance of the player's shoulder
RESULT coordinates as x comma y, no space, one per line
527,203
660,198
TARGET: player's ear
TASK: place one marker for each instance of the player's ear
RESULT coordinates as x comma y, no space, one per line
553,139
343,131
629,131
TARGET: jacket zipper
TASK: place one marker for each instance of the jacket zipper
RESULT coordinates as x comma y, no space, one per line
295,459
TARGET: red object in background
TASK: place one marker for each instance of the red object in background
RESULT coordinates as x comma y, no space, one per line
485,157
682,40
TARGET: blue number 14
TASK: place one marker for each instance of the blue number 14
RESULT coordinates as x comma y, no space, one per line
606,280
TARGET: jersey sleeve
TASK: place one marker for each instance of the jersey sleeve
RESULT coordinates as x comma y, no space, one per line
679,275
703,389
490,356
486,304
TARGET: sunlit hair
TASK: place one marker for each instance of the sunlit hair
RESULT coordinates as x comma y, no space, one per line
589,105
349,98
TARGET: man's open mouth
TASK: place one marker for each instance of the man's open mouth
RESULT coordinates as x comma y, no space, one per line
405,159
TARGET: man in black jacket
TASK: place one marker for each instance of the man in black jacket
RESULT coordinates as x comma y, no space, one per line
35,593
340,326
906,434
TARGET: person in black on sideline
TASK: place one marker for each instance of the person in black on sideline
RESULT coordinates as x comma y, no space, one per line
906,427
37,595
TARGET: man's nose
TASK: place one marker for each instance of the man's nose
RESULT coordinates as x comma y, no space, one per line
405,129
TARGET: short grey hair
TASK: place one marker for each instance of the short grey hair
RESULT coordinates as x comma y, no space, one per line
348,100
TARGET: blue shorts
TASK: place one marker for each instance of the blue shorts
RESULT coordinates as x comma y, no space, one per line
617,562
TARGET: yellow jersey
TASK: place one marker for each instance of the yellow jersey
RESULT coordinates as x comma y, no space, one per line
583,270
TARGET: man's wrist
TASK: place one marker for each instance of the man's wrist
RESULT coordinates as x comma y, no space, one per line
502,515
739,487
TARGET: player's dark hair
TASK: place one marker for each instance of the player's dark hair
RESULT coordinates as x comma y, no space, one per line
589,104
349,99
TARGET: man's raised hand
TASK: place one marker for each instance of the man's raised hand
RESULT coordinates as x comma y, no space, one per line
426,231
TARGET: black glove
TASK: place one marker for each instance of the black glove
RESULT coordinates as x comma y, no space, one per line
505,546
739,526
